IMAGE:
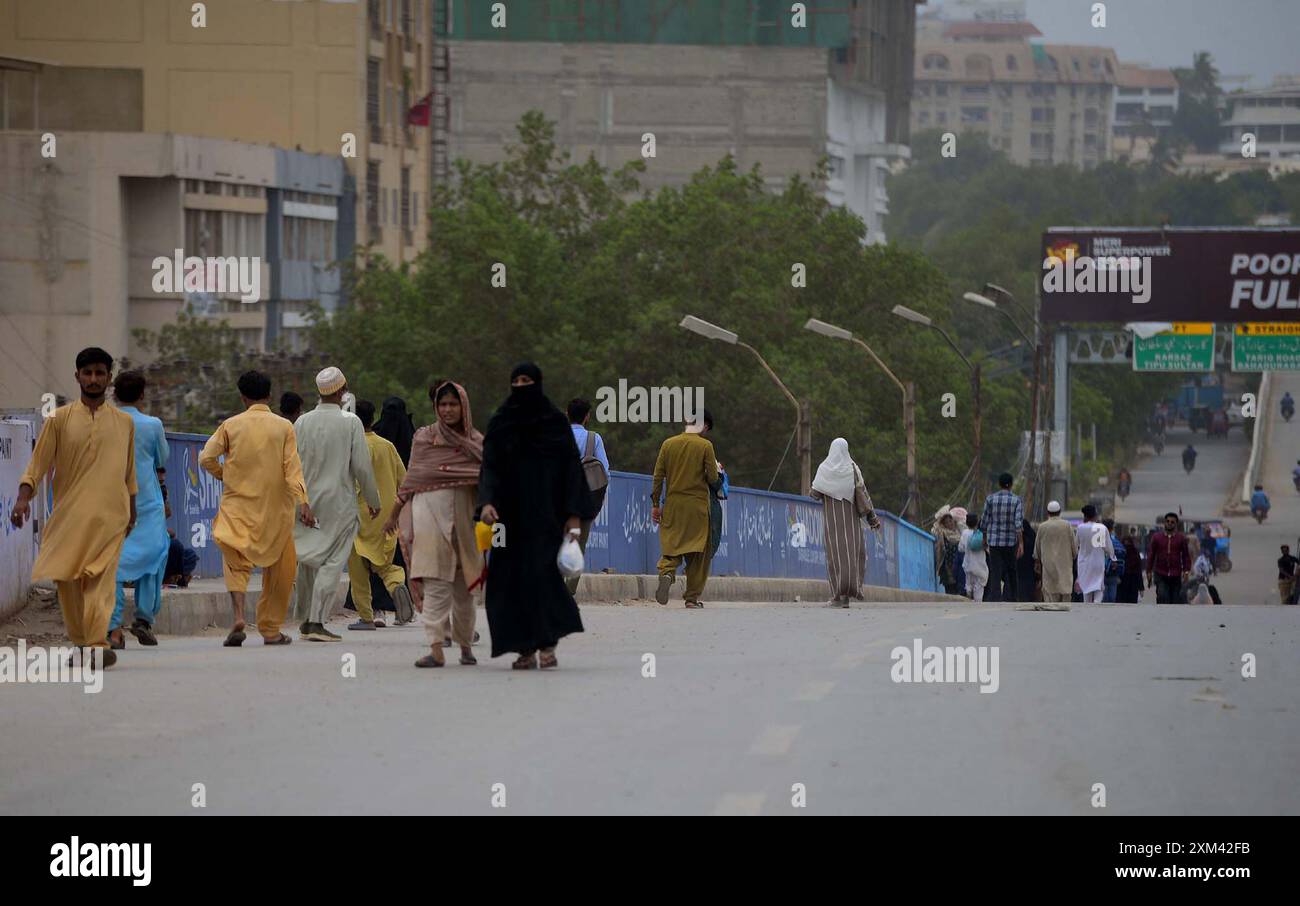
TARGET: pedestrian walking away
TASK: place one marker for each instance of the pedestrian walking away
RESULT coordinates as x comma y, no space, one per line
434,518
1055,548
947,549
1169,561
1094,552
335,463
395,426
91,448
595,465
1130,584
1026,578
685,470
261,486
975,558
532,482
1001,522
290,406
374,548
144,555
1286,575
842,492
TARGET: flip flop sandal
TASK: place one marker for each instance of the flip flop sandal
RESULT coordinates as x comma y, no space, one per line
380,624
549,661
693,605
143,633
468,660
525,662
429,661
282,639
234,640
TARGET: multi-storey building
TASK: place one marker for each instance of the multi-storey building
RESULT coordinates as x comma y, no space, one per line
707,79
1271,115
1145,102
325,77
1039,103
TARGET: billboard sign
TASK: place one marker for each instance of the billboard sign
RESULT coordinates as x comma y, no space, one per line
1224,275
1266,347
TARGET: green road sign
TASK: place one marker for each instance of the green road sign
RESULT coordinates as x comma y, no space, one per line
1188,347
1266,347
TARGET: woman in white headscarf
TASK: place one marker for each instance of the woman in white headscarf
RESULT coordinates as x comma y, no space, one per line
845,501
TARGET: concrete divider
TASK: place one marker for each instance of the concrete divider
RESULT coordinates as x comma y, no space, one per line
189,611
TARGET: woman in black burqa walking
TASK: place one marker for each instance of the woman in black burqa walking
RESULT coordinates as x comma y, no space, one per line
532,482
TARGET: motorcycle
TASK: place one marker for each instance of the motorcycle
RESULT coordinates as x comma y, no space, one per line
1296,482
1123,489
1287,412
1260,514
1189,464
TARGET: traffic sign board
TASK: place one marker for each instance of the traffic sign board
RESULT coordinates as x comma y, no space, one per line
1269,346
1189,346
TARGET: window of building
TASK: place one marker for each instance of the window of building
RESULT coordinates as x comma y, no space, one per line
406,23
1090,140
308,239
1006,120
1012,63
373,193
934,61
1163,92
941,118
1090,117
1268,134
941,91
921,90
1042,115
923,118
1094,64
974,91
406,197
221,234
372,99
1090,91
375,15
1041,141
974,114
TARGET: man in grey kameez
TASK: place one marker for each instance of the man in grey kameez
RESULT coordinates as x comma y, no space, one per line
335,463
1055,549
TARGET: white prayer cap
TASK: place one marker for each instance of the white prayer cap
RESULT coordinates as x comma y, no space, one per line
1054,506
331,380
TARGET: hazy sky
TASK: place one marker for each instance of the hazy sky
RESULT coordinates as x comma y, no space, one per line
1255,38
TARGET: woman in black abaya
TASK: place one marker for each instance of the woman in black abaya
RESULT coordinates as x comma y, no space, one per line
532,482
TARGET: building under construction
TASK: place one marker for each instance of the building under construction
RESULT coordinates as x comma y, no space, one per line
758,79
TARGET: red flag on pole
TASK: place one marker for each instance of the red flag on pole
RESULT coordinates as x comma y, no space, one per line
419,114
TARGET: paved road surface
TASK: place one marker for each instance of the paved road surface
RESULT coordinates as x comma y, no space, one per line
747,701
1161,485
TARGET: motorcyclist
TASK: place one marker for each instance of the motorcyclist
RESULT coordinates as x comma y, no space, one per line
1259,505
1288,404
1189,458
1125,481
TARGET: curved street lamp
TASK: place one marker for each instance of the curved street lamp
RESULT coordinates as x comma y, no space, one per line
803,420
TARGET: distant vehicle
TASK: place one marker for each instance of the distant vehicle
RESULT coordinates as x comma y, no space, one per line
1198,417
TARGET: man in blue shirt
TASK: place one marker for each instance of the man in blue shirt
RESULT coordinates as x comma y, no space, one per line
1001,522
1115,568
1259,504
579,415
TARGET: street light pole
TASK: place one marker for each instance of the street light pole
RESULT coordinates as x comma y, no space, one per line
1036,342
803,421
913,506
907,314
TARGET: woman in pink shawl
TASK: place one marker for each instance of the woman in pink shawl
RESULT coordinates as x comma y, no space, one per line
434,519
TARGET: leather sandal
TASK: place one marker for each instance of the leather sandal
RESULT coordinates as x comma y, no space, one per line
525,662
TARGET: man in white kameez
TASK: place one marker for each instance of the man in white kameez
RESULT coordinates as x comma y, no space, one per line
1095,551
335,464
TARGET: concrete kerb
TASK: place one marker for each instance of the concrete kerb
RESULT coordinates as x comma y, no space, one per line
189,611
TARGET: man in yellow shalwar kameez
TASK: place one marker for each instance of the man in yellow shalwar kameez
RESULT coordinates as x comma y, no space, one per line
91,448
687,465
374,550
261,487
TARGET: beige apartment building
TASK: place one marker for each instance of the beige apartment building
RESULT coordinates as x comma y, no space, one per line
297,75
1038,103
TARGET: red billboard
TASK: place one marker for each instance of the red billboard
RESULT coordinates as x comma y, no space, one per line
1223,275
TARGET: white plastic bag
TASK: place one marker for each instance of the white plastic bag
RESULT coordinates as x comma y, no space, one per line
569,559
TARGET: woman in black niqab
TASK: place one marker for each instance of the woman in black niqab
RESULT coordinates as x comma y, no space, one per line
532,481
395,425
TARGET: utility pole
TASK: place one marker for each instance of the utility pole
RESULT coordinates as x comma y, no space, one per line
913,508
805,447
979,436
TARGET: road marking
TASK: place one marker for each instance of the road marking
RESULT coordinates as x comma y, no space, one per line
814,692
775,740
741,804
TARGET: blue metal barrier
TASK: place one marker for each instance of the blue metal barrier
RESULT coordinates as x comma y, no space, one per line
757,530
